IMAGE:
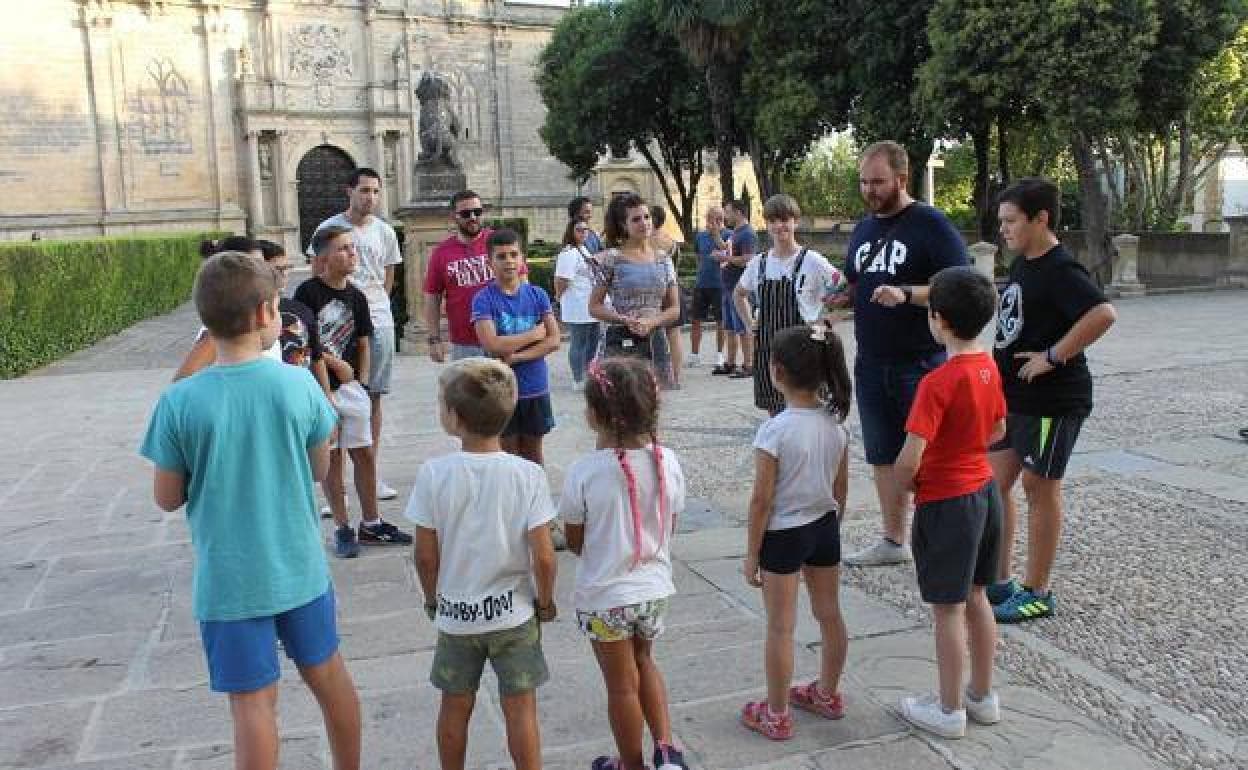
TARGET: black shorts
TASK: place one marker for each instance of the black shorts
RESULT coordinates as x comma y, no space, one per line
1044,444
533,417
706,303
817,544
956,542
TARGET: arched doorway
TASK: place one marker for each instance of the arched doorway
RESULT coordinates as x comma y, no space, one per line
321,183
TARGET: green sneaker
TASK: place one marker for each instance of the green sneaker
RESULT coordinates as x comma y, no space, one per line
1026,604
998,592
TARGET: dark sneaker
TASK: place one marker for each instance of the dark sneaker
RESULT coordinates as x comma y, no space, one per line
723,369
383,533
345,545
607,763
668,757
997,593
1025,605
744,373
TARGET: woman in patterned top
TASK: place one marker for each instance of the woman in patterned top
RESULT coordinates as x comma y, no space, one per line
641,282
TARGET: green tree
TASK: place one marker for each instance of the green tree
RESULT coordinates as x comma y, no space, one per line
713,34
826,180
609,78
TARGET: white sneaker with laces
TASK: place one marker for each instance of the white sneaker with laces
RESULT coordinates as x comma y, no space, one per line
880,553
985,711
926,713
385,491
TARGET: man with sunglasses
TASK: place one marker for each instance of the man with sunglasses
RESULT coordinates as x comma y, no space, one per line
458,268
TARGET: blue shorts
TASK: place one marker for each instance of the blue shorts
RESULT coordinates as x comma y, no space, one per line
885,392
242,654
731,319
532,417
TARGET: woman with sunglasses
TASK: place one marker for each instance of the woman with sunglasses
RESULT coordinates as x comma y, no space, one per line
641,282
573,284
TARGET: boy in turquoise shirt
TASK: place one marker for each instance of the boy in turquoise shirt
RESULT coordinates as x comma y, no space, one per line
241,444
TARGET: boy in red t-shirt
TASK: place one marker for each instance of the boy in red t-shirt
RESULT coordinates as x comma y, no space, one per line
958,412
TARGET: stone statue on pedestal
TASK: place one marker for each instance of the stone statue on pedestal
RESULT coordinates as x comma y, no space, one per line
439,171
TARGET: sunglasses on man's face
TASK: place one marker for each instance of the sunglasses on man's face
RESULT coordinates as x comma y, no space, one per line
470,213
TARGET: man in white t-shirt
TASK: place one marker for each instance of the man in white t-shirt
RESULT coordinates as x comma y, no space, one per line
378,250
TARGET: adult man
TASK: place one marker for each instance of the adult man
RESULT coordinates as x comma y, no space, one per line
581,209
378,250
735,254
893,253
707,297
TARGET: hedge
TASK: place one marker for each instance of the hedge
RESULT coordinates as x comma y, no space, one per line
60,296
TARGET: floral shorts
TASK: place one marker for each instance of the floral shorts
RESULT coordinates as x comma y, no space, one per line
618,624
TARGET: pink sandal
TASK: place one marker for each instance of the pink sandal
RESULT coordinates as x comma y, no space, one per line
759,718
808,698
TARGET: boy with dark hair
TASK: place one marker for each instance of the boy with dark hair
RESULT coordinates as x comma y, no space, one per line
485,562
516,324
241,444
958,411
342,313
1051,311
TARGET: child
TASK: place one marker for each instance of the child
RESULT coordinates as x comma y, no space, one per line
485,561
619,510
241,444
958,411
515,323
1050,313
342,313
800,483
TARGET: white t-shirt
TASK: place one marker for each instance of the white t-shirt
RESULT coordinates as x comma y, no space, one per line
482,506
809,445
595,494
378,248
573,266
816,274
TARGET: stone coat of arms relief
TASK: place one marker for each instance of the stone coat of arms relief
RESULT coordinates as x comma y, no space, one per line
316,52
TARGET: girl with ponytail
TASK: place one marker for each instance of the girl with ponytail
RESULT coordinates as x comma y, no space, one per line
619,508
801,479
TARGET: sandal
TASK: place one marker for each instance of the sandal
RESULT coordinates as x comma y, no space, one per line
759,718
809,698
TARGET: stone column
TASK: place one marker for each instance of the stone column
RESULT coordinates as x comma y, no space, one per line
1236,271
255,196
1126,281
379,163
97,22
404,170
424,226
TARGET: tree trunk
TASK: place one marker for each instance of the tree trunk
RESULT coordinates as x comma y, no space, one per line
719,89
984,197
1003,155
767,165
919,153
1094,207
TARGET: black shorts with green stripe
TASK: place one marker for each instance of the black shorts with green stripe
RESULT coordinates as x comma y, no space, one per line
1044,444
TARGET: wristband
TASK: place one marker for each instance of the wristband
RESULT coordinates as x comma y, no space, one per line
1048,356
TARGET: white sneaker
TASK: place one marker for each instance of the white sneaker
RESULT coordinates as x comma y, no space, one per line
385,491
880,553
693,360
926,713
985,711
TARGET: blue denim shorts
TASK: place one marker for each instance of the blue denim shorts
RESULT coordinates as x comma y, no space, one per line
885,392
731,319
242,654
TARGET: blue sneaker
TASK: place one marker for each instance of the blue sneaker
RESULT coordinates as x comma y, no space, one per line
345,544
1026,604
668,757
998,592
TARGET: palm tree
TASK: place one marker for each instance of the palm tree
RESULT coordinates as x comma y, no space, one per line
714,34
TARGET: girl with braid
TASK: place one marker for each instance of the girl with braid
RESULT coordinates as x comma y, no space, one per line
801,479
619,510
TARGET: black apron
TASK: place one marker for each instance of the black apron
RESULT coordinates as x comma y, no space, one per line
777,310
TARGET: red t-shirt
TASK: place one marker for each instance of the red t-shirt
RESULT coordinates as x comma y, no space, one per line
955,410
458,271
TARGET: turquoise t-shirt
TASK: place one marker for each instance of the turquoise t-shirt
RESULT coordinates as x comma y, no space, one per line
240,434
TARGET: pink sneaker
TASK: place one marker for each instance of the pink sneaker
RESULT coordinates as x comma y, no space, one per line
809,698
760,718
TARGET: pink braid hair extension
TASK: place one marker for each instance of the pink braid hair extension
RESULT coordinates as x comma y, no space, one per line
631,479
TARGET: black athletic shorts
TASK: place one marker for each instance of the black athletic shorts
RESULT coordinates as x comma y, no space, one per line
956,542
1044,444
533,417
817,544
706,304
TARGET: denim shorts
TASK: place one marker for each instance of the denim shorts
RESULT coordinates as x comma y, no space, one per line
731,319
466,351
242,654
380,360
885,392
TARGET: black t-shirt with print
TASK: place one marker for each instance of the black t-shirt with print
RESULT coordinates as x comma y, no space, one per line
301,335
342,317
1045,297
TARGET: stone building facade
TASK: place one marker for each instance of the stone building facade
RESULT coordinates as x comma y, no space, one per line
156,115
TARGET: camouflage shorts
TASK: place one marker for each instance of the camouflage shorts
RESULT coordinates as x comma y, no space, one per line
515,654
617,624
